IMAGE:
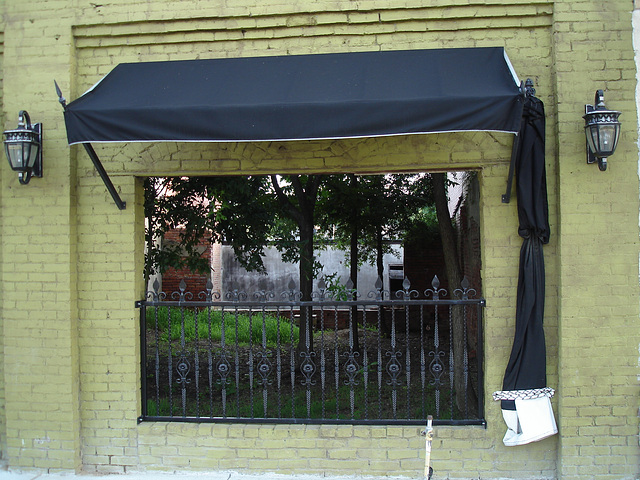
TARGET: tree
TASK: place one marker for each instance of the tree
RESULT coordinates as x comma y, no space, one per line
171,203
454,276
246,212
361,211
232,209
297,197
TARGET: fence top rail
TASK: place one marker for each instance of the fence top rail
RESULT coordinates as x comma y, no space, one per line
294,304
343,296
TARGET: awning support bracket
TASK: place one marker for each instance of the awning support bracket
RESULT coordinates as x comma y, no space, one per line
506,198
527,90
104,176
121,204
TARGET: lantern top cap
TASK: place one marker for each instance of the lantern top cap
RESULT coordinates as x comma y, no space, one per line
600,114
24,124
599,100
599,105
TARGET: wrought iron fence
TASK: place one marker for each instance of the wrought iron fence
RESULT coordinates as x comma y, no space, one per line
379,358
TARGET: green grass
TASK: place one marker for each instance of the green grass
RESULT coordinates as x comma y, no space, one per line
246,404
204,398
250,327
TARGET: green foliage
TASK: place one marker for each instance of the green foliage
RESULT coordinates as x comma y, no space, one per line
377,206
335,289
245,211
210,322
237,210
251,212
170,204
423,227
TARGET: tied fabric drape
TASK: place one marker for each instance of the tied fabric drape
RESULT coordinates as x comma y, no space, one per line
525,398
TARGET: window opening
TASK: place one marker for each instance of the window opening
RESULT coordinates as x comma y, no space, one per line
392,350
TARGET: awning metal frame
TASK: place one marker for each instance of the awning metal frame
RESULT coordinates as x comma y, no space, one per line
526,89
121,204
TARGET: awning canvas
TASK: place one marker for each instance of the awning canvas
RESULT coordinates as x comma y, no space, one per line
296,97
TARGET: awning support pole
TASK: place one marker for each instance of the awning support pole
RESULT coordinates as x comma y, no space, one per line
104,176
506,198
527,90
96,161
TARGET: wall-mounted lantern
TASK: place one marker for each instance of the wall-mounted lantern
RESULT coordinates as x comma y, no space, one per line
602,128
23,147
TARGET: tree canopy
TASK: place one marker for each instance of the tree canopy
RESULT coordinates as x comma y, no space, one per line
232,209
294,213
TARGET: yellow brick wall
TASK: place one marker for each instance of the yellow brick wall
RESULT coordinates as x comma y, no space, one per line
72,262
331,450
597,247
39,303
3,436
112,442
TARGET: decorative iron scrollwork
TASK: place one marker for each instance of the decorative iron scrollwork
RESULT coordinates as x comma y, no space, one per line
235,295
351,368
223,367
307,368
321,294
394,367
406,293
183,367
264,368
156,295
182,295
435,291
208,295
379,293
263,296
436,367
292,295
464,292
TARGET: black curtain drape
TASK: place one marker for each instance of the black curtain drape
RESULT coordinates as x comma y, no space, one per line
527,364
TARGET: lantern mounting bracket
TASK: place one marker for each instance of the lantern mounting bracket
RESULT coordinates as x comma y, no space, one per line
37,167
591,158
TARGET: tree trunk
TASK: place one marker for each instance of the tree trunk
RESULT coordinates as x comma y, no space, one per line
305,342
454,277
149,207
380,264
353,261
303,214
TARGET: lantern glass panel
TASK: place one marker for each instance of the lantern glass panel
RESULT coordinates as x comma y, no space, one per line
22,149
16,158
603,138
592,137
607,139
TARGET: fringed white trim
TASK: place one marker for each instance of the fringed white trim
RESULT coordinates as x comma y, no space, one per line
523,394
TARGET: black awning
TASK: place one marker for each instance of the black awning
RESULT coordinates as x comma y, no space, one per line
297,97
